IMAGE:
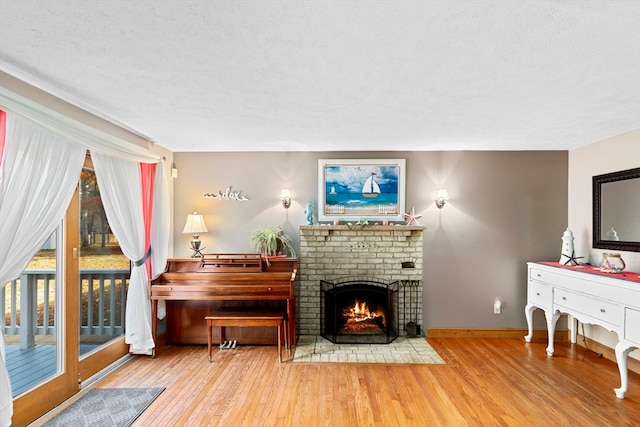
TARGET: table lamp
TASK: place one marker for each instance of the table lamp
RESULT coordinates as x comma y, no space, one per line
195,225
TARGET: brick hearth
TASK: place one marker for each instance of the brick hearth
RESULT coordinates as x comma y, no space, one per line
332,252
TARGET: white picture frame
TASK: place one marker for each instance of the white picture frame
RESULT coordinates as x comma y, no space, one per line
346,193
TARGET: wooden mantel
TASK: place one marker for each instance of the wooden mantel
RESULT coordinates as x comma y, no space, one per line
354,227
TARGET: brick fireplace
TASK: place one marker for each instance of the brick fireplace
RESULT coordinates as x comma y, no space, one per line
386,253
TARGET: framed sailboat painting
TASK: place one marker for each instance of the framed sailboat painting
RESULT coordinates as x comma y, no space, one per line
361,189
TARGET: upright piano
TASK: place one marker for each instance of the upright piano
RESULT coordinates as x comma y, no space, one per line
193,287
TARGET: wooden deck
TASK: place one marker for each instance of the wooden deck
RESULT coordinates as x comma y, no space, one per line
32,366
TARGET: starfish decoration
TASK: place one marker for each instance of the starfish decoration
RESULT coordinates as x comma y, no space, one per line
411,217
573,258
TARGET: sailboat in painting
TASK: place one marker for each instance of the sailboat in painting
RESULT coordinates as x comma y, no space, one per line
371,187
333,190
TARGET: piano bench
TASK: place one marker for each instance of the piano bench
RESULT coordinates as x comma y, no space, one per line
247,316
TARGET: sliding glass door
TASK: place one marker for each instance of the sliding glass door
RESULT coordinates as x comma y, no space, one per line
55,335
31,319
69,310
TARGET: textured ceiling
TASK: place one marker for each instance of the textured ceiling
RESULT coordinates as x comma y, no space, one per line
337,75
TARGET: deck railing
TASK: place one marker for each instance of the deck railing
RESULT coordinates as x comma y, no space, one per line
101,307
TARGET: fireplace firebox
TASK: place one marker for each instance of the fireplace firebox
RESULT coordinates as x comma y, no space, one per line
359,311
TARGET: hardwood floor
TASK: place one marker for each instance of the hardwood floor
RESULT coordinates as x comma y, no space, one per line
486,382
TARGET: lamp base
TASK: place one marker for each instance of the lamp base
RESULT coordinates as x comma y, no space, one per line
197,250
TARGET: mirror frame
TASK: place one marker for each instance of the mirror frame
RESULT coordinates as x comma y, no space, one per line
598,180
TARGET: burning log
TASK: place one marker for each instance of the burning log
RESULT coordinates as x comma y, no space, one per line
359,318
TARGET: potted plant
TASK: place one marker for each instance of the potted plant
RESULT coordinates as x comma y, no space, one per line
271,241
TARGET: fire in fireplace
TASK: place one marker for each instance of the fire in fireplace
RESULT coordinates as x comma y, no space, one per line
359,311
359,319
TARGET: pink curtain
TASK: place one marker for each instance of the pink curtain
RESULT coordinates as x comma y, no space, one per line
147,178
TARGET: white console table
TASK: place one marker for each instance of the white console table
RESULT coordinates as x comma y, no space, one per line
609,300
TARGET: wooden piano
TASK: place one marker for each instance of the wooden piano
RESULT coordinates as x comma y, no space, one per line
193,287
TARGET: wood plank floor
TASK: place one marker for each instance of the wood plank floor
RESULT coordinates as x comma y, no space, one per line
486,382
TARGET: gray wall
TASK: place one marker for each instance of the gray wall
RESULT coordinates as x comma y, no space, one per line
506,208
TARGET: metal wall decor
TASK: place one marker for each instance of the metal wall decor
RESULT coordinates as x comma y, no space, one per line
228,194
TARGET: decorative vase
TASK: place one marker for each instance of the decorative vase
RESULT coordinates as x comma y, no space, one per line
612,263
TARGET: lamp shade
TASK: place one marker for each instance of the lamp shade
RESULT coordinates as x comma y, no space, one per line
285,194
195,224
442,194
285,197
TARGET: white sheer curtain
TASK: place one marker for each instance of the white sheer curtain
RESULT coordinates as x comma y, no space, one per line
45,194
160,228
39,173
121,192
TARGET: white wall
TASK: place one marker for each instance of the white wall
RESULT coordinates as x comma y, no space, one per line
613,154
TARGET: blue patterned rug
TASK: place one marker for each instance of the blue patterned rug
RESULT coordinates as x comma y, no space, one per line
103,407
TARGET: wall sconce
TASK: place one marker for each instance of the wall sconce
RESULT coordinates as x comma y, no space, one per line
441,198
285,196
194,225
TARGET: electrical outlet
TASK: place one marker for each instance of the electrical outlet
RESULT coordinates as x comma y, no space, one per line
497,307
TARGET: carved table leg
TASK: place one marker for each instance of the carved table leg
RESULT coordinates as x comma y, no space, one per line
528,312
574,331
552,319
622,351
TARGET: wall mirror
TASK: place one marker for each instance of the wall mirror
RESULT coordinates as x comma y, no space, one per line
616,211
